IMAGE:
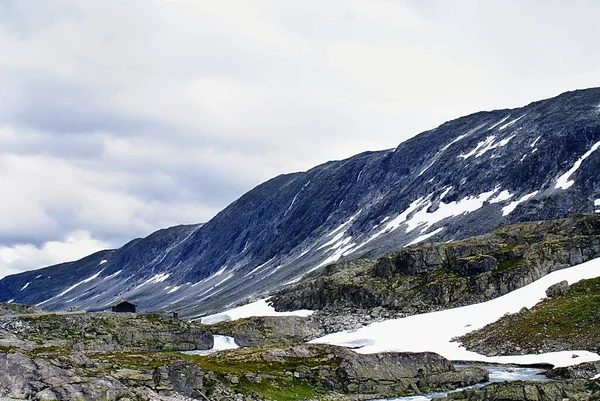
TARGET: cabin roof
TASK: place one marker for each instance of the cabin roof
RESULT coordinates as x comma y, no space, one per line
122,301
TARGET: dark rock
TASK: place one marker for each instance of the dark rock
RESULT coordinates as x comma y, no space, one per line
557,289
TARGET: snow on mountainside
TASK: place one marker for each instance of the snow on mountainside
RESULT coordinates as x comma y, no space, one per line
434,331
463,178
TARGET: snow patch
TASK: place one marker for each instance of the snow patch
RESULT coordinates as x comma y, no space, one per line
486,145
564,181
257,308
597,205
87,280
257,268
10,301
25,286
508,209
172,289
445,210
501,197
535,142
425,236
434,331
102,262
344,225
499,122
159,278
458,138
483,144
510,123
115,274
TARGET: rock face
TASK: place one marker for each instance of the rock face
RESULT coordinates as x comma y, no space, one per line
565,322
341,370
246,374
269,330
428,277
587,370
108,332
26,378
580,390
461,179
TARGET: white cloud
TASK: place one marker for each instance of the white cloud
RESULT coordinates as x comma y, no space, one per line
21,257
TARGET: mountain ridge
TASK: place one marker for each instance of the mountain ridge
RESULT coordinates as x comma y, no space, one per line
463,178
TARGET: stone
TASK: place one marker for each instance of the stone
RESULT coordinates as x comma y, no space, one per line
558,289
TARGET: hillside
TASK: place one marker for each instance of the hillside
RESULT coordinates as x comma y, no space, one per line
464,178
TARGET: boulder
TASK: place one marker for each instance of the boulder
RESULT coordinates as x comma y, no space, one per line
558,289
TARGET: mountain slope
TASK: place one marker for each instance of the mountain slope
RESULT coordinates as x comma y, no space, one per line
463,178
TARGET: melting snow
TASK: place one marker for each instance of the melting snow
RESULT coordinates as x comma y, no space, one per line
173,289
434,331
499,122
508,209
343,225
257,268
534,142
597,205
159,278
335,239
501,197
257,308
221,343
458,138
425,236
563,181
510,123
10,301
25,286
466,205
115,274
102,262
485,146
87,280
597,377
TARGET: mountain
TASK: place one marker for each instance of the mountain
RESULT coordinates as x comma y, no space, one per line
464,178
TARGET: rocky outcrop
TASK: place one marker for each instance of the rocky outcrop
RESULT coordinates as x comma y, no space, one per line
558,289
108,332
430,277
269,330
587,370
341,370
565,322
574,390
17,309
23,377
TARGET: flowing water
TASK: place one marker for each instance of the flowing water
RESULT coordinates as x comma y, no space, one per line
221,343
498,373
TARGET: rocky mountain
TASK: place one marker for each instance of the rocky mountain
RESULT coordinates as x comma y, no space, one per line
427,277
463,178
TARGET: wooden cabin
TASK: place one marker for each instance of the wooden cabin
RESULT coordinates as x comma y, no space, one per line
124,307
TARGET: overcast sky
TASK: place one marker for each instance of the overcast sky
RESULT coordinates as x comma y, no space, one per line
121,117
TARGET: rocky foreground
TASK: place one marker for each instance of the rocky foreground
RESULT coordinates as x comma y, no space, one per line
106,356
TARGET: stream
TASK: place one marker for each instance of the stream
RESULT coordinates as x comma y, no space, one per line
498,373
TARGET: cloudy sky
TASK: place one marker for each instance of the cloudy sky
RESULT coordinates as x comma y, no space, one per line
121,117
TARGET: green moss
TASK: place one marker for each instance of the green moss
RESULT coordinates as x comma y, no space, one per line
509,264
572,320
7,350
